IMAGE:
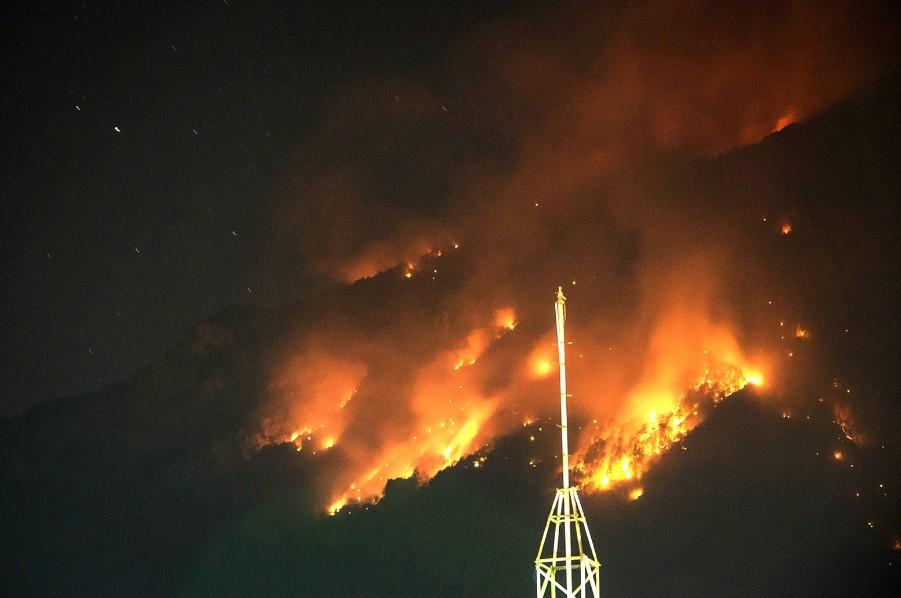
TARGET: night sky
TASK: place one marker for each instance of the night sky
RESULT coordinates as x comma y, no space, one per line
143,145
279,284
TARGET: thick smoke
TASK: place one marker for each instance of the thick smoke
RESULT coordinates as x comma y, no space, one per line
542,153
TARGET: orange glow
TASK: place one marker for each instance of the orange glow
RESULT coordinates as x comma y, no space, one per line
542,367
476,343
448,422
659,413
336,506
754,378
412,376
844,422
314,389
800,332
542,360
505,318
336,393
785,120
449,417
688,360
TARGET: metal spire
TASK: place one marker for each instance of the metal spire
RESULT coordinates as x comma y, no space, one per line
560,313
554,572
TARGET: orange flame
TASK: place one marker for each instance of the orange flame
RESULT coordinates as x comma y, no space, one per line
449,413
505,318
659,412
785,120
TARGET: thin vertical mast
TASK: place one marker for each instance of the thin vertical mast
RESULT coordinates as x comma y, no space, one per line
555,573
560,310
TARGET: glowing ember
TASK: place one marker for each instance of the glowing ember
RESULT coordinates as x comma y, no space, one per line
843,421
636,493
786,228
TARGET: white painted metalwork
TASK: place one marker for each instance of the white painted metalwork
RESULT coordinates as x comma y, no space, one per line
570,574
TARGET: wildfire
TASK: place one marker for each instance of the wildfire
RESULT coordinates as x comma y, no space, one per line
785,120
336,506
754,379
450,420
505,318
622,454
339,395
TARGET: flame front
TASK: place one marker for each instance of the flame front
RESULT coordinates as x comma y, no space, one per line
456,400
622,453
690,360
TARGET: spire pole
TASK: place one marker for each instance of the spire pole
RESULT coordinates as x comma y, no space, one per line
555,571
560,312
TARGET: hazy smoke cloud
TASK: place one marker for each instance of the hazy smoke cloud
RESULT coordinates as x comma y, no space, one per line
545,148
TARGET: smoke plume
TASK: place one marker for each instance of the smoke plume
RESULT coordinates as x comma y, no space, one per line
553,150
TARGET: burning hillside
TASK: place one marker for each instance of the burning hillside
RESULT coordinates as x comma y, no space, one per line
462,390
570,160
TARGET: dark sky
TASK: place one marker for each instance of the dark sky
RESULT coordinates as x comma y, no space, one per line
142,141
